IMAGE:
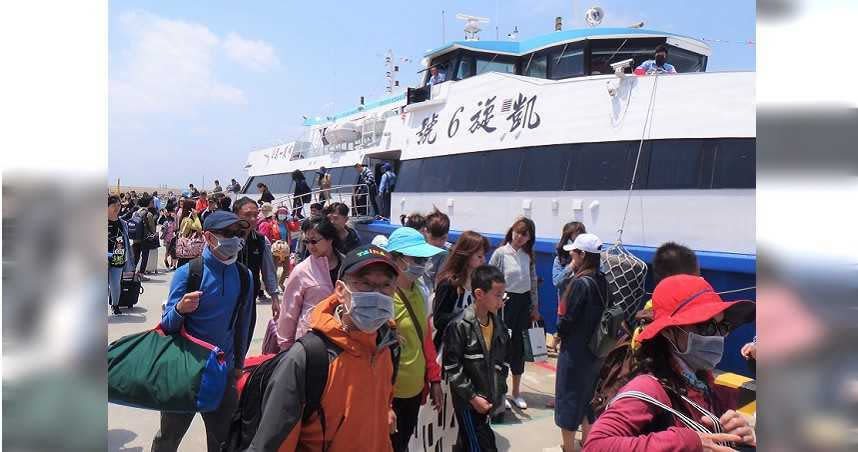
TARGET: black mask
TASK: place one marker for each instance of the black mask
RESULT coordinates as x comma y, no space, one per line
660,59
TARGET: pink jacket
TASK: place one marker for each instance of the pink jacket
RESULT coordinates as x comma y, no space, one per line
308,284
624,425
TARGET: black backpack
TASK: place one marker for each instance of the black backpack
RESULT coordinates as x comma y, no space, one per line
245,421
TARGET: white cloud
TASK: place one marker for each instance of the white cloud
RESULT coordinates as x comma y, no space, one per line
168,67
256,55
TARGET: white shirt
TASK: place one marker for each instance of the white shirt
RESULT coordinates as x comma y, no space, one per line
515,266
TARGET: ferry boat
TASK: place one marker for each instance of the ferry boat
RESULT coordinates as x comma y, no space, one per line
553,127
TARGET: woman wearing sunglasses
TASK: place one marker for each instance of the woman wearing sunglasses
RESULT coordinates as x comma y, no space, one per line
310,282
672,402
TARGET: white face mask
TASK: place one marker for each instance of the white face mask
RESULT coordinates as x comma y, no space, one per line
703,352
370,310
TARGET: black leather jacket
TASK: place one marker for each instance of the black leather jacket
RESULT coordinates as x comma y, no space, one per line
469,369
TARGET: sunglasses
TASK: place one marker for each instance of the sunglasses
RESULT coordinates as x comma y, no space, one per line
310,241
229,233
713,328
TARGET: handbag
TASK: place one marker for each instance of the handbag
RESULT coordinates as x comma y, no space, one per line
609,330
190,247
269,343
535,349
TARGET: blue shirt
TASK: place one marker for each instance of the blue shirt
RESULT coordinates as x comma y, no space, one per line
650,67
437,78
157,203
388,180
220,285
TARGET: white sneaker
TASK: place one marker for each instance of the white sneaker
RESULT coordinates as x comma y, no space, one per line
520,403
506,403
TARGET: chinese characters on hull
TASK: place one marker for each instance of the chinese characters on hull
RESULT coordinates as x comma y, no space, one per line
426,134
523,115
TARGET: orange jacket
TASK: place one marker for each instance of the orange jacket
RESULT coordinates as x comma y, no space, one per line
356,400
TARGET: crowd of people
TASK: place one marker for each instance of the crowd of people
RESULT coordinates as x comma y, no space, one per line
402,315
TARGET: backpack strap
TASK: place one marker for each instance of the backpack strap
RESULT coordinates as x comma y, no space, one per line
591,281
195,274
411,314
316,376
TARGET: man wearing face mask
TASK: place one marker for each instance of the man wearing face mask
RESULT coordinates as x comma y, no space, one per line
419,373
658,65
356,404
207,314
673,371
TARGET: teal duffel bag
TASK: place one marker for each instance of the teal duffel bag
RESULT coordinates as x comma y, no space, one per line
173,372
166,372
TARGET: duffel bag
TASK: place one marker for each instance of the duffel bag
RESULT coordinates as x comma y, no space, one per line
166,372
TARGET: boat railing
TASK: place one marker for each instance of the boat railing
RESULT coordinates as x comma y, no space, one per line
355,196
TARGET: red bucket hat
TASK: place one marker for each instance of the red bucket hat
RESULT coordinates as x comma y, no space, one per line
686,300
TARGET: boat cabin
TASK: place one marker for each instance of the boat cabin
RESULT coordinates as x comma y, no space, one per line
566,54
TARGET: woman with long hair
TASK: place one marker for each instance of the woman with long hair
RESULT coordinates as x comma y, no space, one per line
583,300
671,401
516,260
562,259
562,267
453,290
301,194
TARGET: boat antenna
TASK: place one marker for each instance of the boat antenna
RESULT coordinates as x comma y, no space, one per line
443,28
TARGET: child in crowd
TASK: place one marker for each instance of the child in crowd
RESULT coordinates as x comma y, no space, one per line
478,385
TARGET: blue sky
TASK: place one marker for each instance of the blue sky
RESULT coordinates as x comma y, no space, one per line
194,85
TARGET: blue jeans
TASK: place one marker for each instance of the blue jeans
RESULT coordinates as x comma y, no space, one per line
114,280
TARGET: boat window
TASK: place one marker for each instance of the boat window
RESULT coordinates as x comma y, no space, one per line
435,175
408,179
466,67
566,62
349,176
544,169
676,164
248,184
277,183
466,170
600,166
495,63
735,163
686,60
537,67
501,170
664,164
605,52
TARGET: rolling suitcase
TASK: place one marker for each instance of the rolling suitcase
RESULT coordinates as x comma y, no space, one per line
130,289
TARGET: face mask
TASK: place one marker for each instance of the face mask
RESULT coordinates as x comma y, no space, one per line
660,59
229,247
281,217
370,310
415,270
704,352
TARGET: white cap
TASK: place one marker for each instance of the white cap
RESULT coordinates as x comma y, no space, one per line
585,242
380,241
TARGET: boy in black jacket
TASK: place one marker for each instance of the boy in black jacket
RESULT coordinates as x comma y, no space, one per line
474,352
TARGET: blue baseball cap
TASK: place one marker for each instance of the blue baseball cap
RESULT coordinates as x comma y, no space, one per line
221,219
410,242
